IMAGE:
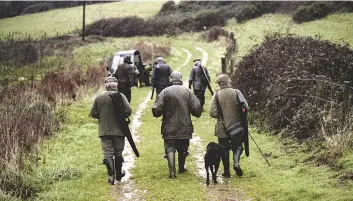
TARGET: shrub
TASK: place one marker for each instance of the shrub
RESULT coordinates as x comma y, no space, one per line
208,18
40,7
167,8
247,12
311,12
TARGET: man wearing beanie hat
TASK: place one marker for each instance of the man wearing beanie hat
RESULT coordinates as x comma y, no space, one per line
199,79
111,136
228,105
160,75
175,104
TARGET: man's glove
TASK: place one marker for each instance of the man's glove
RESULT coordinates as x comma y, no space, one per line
190,83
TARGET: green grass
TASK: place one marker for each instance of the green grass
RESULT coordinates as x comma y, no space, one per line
63,21
77,146
335,28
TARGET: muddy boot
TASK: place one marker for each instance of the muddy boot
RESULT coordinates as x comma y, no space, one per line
109,163
225,161
171,164
119,172
181,162
236,157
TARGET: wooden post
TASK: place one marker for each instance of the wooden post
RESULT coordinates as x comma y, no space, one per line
320,88
345,102
231,65
83,21
224,65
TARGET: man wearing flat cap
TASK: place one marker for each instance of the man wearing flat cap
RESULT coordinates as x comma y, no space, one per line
112,138
125,75
227,106
175,104
199,79
160,75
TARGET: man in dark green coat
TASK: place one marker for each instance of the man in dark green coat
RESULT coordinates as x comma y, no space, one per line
125,75
111,136
175,103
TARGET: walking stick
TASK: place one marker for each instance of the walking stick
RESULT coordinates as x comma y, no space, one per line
260,150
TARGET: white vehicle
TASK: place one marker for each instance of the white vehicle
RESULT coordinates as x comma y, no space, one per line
143,73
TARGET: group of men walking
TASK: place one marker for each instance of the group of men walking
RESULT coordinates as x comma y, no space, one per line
175,103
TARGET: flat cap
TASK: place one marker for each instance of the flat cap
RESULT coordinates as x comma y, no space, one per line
222,78
110,79
197,60
175,76
160,59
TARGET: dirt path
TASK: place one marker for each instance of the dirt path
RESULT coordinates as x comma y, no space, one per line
223,190
126,190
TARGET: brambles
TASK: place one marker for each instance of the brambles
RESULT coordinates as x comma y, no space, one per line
279,80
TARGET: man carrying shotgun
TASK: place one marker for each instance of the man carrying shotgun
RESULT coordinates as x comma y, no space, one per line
200,80
110,132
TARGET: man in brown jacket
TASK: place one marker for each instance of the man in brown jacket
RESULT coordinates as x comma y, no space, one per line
111,136
176,103
228,103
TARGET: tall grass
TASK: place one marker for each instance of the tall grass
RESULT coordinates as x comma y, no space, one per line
29,113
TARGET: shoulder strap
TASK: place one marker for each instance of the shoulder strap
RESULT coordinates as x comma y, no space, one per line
220,112
218,106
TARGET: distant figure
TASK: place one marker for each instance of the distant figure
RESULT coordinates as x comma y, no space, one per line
175,104
227,98
199,78
160,75
125,75
112,138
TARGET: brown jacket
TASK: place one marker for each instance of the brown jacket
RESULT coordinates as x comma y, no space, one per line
103,110
228,101
176,103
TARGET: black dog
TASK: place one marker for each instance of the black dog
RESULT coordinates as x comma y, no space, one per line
212,159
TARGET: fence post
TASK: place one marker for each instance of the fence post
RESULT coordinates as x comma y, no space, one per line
231,65
320,88
345,102
224,65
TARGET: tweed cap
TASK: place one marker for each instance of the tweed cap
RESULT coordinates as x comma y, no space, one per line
110,79
160,59
175,76
223,78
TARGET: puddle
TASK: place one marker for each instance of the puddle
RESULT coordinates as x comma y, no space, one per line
125,190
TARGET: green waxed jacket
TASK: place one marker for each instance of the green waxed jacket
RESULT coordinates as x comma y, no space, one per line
103,110
176,103
228,101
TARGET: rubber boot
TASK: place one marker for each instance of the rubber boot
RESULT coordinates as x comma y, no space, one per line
236,157
181,162
171,164
225,161
109,163
119,172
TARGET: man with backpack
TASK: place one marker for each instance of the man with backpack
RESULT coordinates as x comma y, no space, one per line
227,105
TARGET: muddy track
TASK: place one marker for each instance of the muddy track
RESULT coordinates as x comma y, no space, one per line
126,190
223,190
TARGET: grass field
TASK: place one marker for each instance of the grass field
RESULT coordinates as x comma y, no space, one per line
64,21
76,148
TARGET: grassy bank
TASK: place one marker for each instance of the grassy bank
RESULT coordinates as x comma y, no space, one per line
64,21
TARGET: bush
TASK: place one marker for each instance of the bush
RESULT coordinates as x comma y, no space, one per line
311,12
167,8
40,7
208,18
247,12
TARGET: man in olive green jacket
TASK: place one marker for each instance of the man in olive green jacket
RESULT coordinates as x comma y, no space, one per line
111,136
176,103
228,103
